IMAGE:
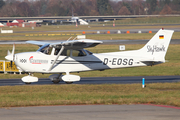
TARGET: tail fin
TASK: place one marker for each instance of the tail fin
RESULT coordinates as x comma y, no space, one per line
157,47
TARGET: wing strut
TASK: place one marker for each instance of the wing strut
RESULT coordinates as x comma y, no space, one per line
62,48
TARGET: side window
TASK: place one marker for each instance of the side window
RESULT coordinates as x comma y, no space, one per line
49,50
78,53
56,51
64,53
90,53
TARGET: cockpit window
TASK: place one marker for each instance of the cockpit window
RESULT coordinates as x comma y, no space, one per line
45,49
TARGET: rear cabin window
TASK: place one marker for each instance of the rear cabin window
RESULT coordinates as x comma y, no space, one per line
64,53
78,53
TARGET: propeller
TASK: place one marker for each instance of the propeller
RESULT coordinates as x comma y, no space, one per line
10,56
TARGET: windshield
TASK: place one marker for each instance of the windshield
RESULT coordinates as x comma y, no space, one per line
45,49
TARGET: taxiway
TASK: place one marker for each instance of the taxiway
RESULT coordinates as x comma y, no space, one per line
99,80
91,112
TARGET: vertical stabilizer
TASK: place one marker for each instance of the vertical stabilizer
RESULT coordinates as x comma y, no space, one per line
158,45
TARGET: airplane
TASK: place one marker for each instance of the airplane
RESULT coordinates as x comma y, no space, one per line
67,57
76,20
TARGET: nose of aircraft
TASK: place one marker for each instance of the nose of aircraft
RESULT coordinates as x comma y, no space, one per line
9,57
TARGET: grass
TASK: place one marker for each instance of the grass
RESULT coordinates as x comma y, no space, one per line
159,93
131,36
65,35
126,24
53,36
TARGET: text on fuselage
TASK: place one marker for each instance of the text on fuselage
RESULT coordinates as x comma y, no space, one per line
118,61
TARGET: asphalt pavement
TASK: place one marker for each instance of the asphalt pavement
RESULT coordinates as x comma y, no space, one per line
99,80
91,112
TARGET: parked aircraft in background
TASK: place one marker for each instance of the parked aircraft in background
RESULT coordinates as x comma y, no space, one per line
76,20
70,56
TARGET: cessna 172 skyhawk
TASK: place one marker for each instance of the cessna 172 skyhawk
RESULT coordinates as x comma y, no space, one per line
69,56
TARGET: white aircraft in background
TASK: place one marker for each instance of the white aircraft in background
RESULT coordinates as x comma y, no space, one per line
69,56
76,20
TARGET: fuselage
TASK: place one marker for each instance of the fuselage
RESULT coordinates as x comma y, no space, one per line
40,62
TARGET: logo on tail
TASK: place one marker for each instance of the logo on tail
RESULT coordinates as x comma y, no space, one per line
156,48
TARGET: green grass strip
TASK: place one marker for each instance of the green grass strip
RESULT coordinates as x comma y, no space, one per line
157,93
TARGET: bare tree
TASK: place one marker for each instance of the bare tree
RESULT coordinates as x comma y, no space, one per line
166,10
24,9
124,11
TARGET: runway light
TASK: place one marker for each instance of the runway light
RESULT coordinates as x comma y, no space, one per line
143,83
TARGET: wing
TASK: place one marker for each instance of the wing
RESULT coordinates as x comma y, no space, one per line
77,44
73,44
39,43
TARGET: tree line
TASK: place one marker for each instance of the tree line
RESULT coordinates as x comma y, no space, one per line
33,8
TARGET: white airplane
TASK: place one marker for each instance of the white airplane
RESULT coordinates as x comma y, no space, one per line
69,56
76,20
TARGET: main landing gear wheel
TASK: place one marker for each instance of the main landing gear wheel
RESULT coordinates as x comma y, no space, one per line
56,81
69,82
27,83
55,78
